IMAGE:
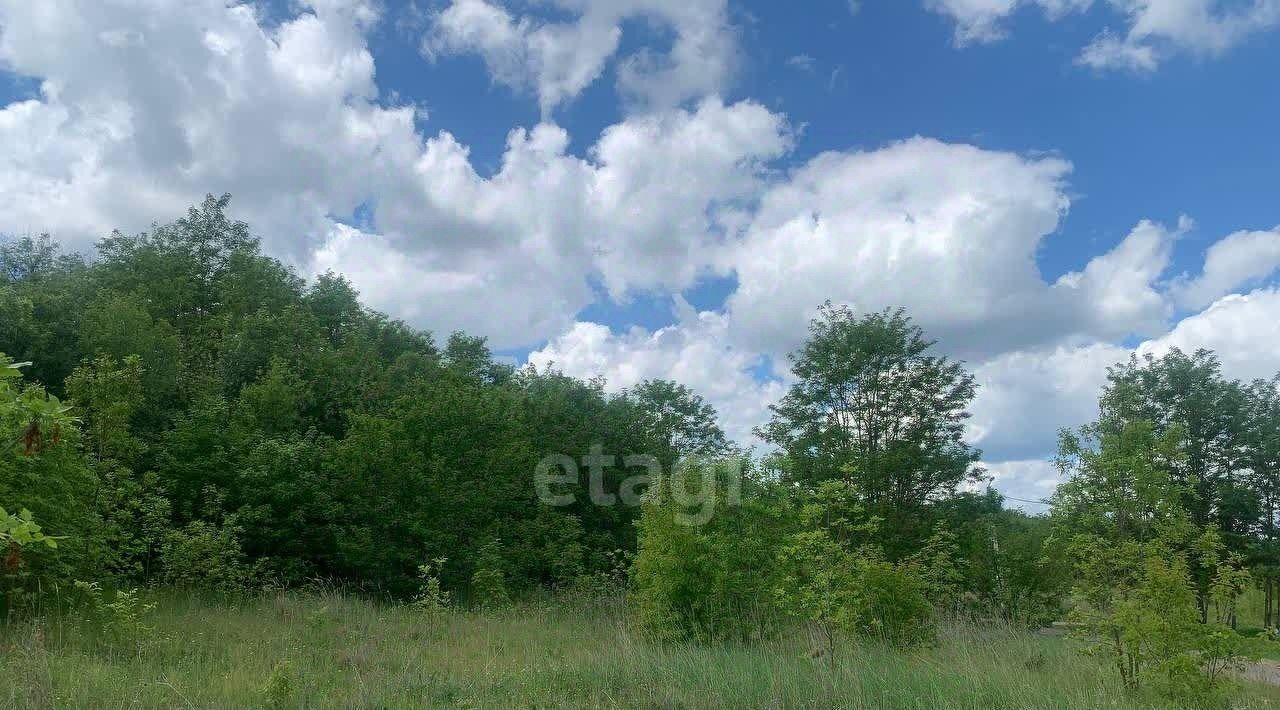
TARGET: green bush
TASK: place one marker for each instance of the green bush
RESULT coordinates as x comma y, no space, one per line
836,577
1138,609
121,617
202,555
489,579
431,596
711,579
892,604
46,488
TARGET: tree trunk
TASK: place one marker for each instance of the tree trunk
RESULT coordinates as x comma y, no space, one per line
1266,609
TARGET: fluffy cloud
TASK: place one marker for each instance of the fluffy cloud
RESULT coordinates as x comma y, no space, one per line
1244,331
1155,29
513,298
645,210
948,231
694,351
1236,260
144,108
1061,385
557,60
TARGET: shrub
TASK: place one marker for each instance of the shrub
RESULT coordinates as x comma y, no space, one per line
121,616
431,596
837,580
206,556
609,582
1139,610
707,576
841,591
892,604
489,578
44,477
278,690
936,566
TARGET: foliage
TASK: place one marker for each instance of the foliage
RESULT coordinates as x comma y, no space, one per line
1147,574
122,616
213,384
489,579
202,555
21,530
872,406
1141,613
705,576
835,577
937,566
17,531
431,597
46,480
279,688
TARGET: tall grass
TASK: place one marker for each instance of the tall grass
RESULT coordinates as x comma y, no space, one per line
333,650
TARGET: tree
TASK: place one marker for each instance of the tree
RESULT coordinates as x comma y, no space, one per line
678,420
1119,482
1140,611
238,418
1262,437
709,576
44,478
1188,392
28,258
872,406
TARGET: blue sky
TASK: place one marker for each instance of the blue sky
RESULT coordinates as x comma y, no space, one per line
1047,185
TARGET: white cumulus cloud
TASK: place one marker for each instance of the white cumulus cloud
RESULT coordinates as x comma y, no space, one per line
1154,29
1236,260
694,351
144,108
558,59
948,231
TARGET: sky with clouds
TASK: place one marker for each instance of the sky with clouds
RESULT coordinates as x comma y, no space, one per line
669,188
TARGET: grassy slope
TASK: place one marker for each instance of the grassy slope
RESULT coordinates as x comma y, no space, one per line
336,651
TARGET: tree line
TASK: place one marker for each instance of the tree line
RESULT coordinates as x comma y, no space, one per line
226,421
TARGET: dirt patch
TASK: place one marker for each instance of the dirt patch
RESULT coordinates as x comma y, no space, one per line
1263,672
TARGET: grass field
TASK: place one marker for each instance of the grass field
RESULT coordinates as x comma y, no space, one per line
332,650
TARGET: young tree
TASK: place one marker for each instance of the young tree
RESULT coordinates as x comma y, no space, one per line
834,576
872,406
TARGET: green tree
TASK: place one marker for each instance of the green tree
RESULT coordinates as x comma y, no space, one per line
1189,394
1262,451
108,396
873,407
678,421
835,577
45,479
